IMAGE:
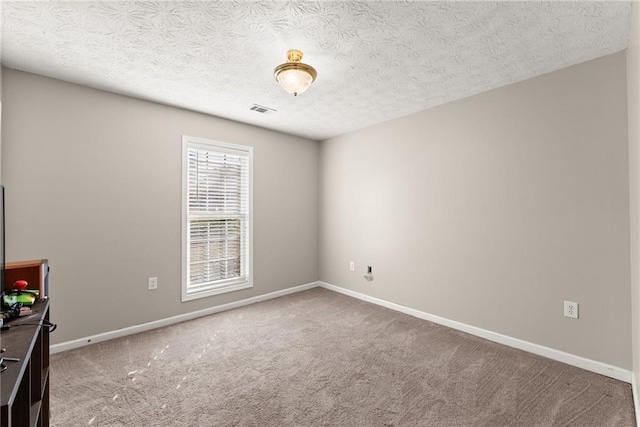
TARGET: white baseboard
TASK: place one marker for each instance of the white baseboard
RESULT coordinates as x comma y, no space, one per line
570,359
69,345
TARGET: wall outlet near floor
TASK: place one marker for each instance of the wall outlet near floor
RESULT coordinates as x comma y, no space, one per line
571,309
153,283
352,266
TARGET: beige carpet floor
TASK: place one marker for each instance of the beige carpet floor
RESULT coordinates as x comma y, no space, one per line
321,358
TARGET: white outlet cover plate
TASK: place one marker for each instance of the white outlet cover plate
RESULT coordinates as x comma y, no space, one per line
571,309
352,266
153,283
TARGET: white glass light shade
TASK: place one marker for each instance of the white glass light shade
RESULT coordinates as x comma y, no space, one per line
294,81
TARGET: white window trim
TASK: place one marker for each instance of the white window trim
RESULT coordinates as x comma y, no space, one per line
220,147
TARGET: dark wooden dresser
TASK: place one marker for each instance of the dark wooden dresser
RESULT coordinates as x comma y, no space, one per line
24,385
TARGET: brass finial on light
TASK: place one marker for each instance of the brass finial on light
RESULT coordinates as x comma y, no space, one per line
294,76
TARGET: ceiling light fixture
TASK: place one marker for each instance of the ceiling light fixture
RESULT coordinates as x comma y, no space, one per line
294,76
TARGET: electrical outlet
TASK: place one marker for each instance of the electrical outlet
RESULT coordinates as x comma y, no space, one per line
571,309
352,266
153,283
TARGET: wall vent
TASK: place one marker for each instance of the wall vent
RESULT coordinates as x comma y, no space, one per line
262,109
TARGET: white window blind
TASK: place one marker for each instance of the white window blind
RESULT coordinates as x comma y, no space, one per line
217,218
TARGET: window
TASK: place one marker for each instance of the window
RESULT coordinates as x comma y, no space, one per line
216,217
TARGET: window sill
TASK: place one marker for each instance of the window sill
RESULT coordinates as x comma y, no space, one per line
217,291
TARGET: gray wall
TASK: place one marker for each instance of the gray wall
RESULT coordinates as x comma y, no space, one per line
494,209
490,210
633,102
93,183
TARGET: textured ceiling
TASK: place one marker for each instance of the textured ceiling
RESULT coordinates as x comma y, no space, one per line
376,60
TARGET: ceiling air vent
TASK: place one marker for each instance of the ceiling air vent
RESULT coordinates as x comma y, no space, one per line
262,109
